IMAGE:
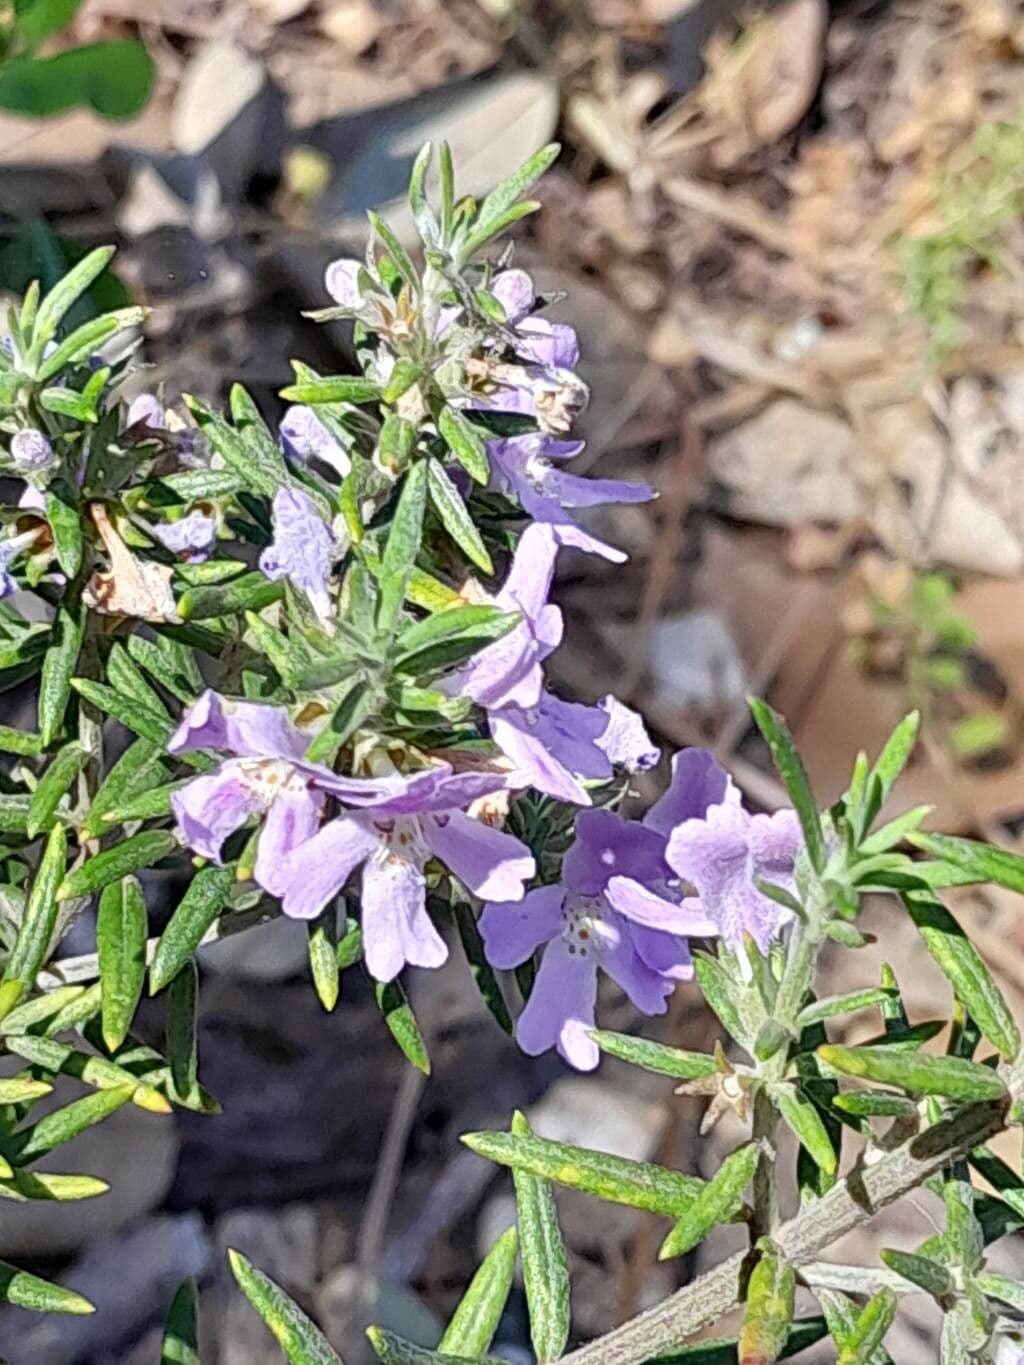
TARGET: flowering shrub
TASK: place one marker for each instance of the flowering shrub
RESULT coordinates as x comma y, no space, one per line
307,670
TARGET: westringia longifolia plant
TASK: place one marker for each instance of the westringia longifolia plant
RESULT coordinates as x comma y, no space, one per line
304,672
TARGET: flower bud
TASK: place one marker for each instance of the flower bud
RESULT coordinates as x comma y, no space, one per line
31,452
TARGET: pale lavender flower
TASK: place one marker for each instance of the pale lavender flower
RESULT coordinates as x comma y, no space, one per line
552,745
526,468
303,549
581,931
146,410
31,451
393,843
192,537
341,280
552,344
723,855
304,437
625,739
10,550
716,851
508,672
266,775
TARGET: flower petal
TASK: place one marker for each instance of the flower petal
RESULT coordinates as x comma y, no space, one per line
293,817
492,864
210,808
396,926
341,280
512,933
698,782
317,870
305,437
668,954
642,906
625,739
560,1010
514,291
243,728
303,549
647,989
606,845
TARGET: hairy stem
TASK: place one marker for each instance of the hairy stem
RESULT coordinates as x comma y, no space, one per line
852,1202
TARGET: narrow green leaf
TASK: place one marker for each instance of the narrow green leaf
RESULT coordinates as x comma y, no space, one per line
768,1316
391,1349
475,1320
656,1057
181,1331
121,930
393,1003
64,1124
724,1351
980,862
142,720
833,1005
889,766
802,1118
22,1290
717,1202
615,1179
447,637
95,1071
869,1104
141,767
59,668
402,547
395,249
21,1090
21,742
722,994
545,1267
873,1321
40,1008
1001,1287
196,911
86,340
260,468
131,855
66,292
62,514
61,772
182,1040
350,946
468,443
337,388
252,592
480,969
962,965
36,930
323,958
951,1077
358,703
794,775
455,518
927,1274
302,1342
24,1186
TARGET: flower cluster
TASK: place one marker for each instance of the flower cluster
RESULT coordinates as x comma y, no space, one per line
632,894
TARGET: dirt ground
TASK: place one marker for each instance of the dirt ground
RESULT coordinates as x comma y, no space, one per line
791,240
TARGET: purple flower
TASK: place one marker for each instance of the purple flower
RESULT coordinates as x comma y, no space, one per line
580,931
146,410
508,672
721,856
31,451
341,280
10,550
303,548
305,437
552,344
625,739
192,536
267,775
393,842
552,745
525,468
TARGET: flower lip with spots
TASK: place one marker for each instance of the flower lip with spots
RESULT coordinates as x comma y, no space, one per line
393,842
581,931
266,775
